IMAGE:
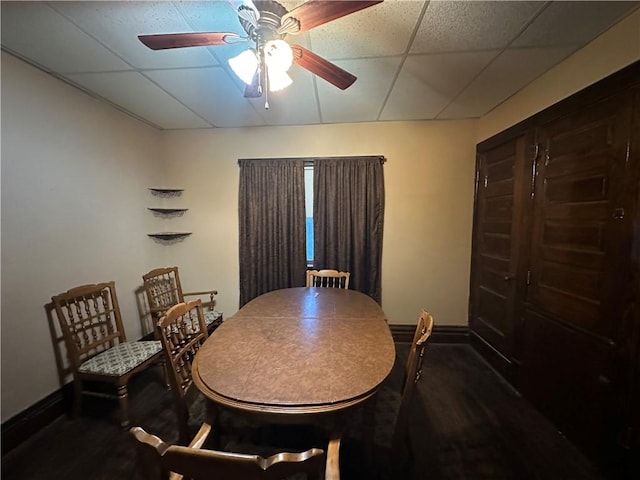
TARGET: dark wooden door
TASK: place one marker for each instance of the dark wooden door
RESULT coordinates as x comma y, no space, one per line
580,272
501,195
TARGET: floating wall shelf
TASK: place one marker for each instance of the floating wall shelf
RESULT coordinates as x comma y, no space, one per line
167,192
169,235
168,211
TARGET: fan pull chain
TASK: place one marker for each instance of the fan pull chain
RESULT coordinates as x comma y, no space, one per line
266,89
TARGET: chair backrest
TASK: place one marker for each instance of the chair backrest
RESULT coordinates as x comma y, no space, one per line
413,373
90,321
328,278
163,289
413,367
158,459
59,344
182,332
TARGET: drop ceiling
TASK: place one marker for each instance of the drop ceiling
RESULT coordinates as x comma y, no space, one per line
415,60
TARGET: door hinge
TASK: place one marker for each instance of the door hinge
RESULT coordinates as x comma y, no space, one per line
534,169
528,277
536,151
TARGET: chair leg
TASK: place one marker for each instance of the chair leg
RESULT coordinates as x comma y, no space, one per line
123,401
166,372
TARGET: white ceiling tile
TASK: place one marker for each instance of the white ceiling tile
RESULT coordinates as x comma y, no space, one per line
463,26
209,92
383,29
511,71
35,31
211,16
118,24
215,16
141,97
362,101
412,100
563,23
427,83
295,105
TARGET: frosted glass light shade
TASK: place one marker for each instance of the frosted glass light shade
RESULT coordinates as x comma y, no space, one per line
278,80
245,65
278,57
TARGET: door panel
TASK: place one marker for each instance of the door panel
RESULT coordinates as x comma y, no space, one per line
555,284
575,299
497,241
577,185
567,375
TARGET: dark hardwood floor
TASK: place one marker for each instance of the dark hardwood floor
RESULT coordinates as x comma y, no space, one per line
467,423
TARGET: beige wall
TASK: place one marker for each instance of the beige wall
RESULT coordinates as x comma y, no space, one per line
610,52
75,174
428,217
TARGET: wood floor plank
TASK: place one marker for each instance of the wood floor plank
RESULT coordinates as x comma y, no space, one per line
469,423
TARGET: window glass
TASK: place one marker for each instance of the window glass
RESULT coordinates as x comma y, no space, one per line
308,205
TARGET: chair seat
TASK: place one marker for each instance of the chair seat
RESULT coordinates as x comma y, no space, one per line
211,316
121,359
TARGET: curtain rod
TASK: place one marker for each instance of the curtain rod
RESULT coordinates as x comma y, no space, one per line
382,158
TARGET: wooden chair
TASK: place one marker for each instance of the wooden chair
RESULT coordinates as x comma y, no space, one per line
160,461
328,278
163,289
96,344
413,372
182,331
383,428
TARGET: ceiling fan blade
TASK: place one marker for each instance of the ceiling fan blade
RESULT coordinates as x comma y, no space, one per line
180,40
316,12
321,67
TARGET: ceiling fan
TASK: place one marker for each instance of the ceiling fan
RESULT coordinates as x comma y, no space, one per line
264,67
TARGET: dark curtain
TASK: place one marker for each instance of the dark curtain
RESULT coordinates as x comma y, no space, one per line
272,226
348,216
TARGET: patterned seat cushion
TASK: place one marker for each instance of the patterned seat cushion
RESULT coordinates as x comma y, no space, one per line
211,316
122,358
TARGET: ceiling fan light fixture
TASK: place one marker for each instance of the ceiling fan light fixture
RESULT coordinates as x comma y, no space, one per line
278,58
266,22
278,55
278,80
245,65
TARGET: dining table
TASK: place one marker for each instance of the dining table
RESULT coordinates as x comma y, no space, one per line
297,353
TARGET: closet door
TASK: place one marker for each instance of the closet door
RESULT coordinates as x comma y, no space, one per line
580,272
501,192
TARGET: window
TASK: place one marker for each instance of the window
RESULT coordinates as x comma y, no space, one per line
296,213
308,207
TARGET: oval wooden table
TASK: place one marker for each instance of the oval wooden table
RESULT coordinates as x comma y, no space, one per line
296,353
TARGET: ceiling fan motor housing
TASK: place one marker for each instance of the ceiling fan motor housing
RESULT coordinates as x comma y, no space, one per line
268,25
